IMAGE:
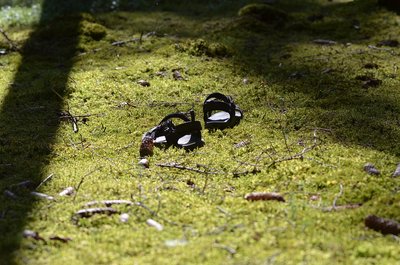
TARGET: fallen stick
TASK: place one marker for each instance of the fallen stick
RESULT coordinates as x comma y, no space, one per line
341,207
42,195
108,203
337,196
61,239
81,181
12,45
44,181
86,213
179,166
264,196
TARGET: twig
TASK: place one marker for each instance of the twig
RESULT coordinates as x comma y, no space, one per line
66,115
166,103
230,250
299,155
81,181
140,39
123,42
246,172
42,195
108,203
12,45
341,207
86,213
44,181
126,146
179,166
205,184
337,196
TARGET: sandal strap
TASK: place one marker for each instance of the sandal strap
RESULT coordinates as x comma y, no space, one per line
192,127
217,101
220,96
218,105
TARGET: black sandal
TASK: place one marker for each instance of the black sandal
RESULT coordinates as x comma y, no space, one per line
186,135
221,112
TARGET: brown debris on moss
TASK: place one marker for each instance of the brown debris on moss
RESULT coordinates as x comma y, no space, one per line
385,226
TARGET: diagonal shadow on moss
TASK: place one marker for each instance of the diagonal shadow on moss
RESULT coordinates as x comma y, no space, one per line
28,115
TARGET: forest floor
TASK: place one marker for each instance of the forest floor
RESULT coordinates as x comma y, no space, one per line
319,86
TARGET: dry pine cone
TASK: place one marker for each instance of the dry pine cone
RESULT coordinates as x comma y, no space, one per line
147,146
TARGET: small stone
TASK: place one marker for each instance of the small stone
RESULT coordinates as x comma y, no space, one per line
155,224
371,169
124,217
144,162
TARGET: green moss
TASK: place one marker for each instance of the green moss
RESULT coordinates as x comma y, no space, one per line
309,127
201,47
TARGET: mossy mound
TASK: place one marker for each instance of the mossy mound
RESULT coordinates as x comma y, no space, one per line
264,13
92,30
201,47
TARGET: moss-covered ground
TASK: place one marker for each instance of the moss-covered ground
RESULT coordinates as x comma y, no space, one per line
315,112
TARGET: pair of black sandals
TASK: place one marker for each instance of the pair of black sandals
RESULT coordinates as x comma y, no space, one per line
220,112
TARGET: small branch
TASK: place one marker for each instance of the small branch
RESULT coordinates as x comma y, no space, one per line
81,181
12,45
179,166
86,213
123,42
299,155
246,172
108,203
337,196
44,181
341,207
205,184
230,250
125,147
140,39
